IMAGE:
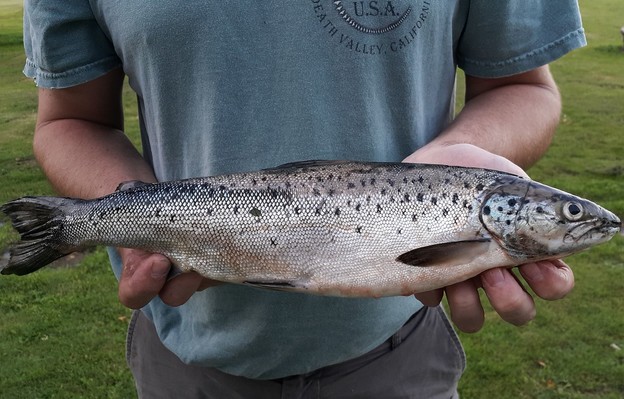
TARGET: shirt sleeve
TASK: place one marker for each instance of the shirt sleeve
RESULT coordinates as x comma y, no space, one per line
503,38
64,44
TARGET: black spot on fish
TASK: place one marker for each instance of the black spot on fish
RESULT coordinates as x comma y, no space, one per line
508,222
363,182
378,208
391,182
236,209
447,181
445,212
420,179
486,210
414,218
273,242
357,207
316,192
373,181
420,197
467,185
255,212
337,212
512,202
297,210
479,187
539,209
455,198
172,218
383,191
221,188
254,182
399,231
406,197
500,208
358,229
350,185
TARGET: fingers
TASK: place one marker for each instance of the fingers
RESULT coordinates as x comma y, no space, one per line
549,280
143,276
430,298
180,289
465,306
507,296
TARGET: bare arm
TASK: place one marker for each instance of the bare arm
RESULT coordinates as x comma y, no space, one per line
514,117
504,120
79,140
80,145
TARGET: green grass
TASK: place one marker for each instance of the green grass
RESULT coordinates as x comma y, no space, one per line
63,329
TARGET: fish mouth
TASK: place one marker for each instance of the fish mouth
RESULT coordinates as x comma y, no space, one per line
600,231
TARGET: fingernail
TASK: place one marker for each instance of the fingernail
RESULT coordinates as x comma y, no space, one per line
532,272
160,268
494,277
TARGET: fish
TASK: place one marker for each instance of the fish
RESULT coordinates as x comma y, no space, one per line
334,228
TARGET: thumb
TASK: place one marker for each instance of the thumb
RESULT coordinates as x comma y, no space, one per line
142,277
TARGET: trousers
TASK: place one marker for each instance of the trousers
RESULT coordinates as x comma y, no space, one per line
424,359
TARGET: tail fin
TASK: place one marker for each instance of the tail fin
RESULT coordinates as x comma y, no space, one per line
39,222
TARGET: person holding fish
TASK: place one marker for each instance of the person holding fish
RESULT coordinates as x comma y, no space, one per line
227,87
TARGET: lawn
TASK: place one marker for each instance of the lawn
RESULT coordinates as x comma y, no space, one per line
63,329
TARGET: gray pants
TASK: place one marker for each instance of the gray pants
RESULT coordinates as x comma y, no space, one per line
424,359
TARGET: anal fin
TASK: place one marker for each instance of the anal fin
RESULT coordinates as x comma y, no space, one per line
276,285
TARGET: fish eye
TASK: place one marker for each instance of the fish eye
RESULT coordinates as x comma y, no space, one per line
573,211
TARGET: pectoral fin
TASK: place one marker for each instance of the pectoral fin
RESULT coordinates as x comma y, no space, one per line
450,253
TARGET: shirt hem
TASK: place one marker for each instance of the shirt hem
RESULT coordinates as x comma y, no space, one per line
71,77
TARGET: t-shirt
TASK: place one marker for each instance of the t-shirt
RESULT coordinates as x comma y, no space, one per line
240,85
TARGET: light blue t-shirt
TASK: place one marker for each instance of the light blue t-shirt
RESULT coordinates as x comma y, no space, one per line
239,85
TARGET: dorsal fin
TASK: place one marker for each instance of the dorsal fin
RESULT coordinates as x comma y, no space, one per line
127,185
307,164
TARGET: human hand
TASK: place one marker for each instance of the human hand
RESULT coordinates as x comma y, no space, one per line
550,279
144,276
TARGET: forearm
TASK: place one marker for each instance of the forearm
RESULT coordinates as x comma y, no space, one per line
86,159
516,120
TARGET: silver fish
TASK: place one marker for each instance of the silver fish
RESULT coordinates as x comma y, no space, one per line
323,227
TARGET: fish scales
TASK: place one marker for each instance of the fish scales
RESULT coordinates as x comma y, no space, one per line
329,228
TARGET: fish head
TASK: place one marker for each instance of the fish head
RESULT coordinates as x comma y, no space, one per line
532,221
